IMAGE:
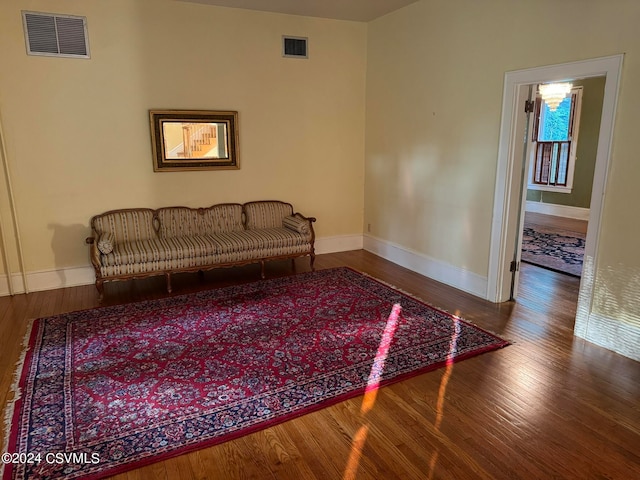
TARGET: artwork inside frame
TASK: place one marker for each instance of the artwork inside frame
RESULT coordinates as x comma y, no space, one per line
194,140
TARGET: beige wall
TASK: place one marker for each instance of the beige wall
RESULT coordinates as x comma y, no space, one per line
77,131
434,93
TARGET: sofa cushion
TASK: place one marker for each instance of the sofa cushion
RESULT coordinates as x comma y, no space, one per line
267,214
157,266
160,249
126,225
265,239
184,221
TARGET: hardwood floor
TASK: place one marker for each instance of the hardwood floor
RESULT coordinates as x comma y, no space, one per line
571,224
548,406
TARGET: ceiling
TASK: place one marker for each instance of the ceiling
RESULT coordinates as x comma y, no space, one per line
356,10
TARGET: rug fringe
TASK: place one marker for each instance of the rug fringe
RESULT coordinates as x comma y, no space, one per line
15,388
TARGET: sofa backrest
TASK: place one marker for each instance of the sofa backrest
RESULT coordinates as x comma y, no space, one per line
266,214
126,225
184,221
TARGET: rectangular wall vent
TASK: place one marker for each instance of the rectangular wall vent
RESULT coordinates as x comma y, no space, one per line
55,35
295,47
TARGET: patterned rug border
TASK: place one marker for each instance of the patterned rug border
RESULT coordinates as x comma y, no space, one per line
435,307
551,269
13,407
542,231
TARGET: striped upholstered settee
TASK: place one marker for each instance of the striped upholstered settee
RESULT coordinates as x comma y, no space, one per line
141,242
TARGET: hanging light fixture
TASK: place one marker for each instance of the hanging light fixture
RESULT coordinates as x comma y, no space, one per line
554,93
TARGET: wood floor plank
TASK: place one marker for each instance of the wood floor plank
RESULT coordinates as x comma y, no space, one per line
548,406
277,454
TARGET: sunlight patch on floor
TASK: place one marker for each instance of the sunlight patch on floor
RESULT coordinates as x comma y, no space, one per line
371,391
443,388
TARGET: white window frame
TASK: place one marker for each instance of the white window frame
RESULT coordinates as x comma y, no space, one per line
572,153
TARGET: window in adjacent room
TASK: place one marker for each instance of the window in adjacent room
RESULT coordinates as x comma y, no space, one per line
554,142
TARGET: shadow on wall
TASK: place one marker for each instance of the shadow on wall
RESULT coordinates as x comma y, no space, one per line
69,248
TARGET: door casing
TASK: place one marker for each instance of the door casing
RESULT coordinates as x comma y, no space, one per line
508,209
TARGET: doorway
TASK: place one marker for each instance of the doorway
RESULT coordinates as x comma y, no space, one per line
561,154
510,192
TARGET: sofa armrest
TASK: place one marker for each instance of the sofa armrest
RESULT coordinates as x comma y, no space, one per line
310,219
297,223
102,244
94,253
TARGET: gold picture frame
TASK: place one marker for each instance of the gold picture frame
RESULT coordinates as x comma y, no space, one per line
185,140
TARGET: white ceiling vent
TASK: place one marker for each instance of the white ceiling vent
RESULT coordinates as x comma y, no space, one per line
55,35
295,47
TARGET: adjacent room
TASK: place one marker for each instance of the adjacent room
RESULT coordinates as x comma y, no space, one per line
319,239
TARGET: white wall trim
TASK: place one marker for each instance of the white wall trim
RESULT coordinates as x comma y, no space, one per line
429,267
49,279
84,275
338,243
579,213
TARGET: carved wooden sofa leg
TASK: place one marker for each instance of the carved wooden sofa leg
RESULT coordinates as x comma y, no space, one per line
100,288
262,275
168,277
312,261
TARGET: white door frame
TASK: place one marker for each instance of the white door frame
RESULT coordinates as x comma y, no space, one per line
509,169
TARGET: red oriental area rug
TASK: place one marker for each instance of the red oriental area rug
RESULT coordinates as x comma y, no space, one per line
110,389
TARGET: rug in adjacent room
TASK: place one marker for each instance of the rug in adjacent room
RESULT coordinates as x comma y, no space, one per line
552,248
114,388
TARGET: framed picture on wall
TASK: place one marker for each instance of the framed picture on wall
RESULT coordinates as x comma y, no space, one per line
194,140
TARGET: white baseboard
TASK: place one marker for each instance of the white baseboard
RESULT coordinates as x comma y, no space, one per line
84,275
49,279
338,243
578,213
418,262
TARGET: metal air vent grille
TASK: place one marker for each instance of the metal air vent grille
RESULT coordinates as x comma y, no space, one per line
296,47
55,35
